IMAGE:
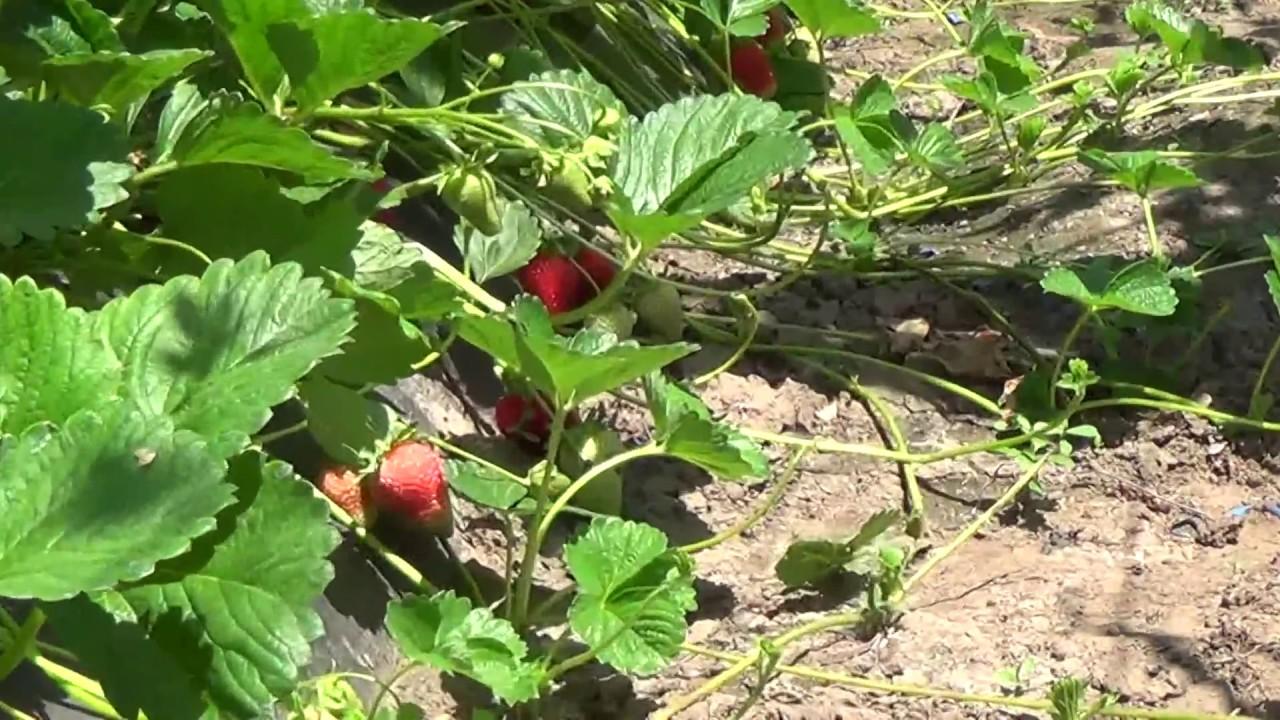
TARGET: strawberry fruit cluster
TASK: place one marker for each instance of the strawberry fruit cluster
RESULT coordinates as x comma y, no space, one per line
409,485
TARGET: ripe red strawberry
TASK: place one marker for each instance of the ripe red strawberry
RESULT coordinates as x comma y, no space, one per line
388,217
554,280
597,266
342,486
523,419
752,70
411,484
779,26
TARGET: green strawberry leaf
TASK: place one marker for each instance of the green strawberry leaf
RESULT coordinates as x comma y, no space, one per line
491,256
835,18
684,427
809,562
1125,75
136,674
873,128
31,32
233,133
878,524
1143,288
935,149
384,345
60,164
230,211
331,53
245,24
698,156
633,594
484,486
101,500
1272,276
244,593
991,38
1141,171
1191,41
52,361
216,353
95,25
445,632
349,426
425,296
382,259
564,114
741,17
588,364
1067,698
116,79
185,104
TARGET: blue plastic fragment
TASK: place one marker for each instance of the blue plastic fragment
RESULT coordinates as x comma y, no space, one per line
955,18
1241,510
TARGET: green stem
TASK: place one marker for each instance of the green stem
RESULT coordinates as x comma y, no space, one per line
24,643
683,702
748,337
1067,343
1182,406
274,435
756,515
1153,239
592,652
940,383
144,176
576,486
1263,373
972,528
369,540
828,445
84,692
768,663
451,274
385,688
467,455
928,63
15,713
524,582
881,686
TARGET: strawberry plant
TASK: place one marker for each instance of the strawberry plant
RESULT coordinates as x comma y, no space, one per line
211,220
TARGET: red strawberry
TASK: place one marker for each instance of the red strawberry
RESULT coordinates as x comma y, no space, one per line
411,485
522,418
554,280
388,217
779,26
752,70
597,266
342,486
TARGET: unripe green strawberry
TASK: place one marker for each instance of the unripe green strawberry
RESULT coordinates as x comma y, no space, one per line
570,183
618,320
660,310
472,194
559,481
583,447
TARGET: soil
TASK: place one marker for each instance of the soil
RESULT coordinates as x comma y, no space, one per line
1151,571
